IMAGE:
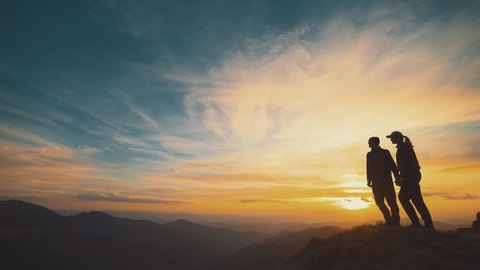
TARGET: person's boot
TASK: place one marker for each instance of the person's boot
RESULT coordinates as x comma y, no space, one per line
429,226
395,223
414,225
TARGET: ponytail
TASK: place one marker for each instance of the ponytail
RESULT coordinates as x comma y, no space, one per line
408,142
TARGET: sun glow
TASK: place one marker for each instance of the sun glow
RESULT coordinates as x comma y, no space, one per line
353,203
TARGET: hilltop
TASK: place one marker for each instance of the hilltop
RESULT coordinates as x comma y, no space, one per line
384,247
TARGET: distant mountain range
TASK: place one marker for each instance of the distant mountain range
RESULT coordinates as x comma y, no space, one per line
34,237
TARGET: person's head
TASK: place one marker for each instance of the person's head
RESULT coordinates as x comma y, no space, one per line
373,142
396,137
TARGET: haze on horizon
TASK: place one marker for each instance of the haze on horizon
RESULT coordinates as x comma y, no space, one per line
251,108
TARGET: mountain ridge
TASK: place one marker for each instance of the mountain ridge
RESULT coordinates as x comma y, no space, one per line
23,214
101,241
34,237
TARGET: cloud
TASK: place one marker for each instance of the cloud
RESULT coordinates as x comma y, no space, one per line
38,156
140,113
14,134
462,138
53,170
86,150
452,196
111,197
140,146
262,201
365,199
183,144
22,198
461,167
306,95
301,103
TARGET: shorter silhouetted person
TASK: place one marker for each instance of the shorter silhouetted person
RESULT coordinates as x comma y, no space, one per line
380,166
410,177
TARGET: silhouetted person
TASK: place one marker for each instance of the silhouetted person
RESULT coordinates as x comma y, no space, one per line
410,177
380,166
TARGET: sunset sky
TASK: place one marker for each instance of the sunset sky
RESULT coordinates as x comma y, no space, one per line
249,108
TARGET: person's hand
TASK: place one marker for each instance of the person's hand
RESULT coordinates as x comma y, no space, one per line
369,183
398,180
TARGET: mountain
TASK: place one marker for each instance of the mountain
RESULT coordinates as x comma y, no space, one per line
103,225
279,227
271,253
385,247
20,214
444,226
219,241
33,237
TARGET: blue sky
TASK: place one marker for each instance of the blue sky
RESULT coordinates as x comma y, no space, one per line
176,89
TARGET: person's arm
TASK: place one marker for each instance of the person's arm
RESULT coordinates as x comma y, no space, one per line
369,169
401,161
399,168
392,165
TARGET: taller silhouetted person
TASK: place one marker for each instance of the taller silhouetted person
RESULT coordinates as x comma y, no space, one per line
380,166
410,177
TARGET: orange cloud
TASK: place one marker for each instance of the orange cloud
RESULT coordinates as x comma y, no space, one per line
305,108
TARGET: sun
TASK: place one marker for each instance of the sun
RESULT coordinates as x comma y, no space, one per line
353,203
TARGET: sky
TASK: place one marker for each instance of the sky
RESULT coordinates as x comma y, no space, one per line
249,108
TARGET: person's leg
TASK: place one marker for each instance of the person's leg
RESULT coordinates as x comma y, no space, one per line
392,202
404,197
417,200
379,195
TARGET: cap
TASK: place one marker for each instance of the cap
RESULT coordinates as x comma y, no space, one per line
397,134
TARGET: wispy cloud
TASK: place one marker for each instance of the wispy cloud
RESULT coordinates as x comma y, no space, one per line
111,197
262,201
365,199
451,196
14,134
40,171
288,92
184,144
298,97
140,113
